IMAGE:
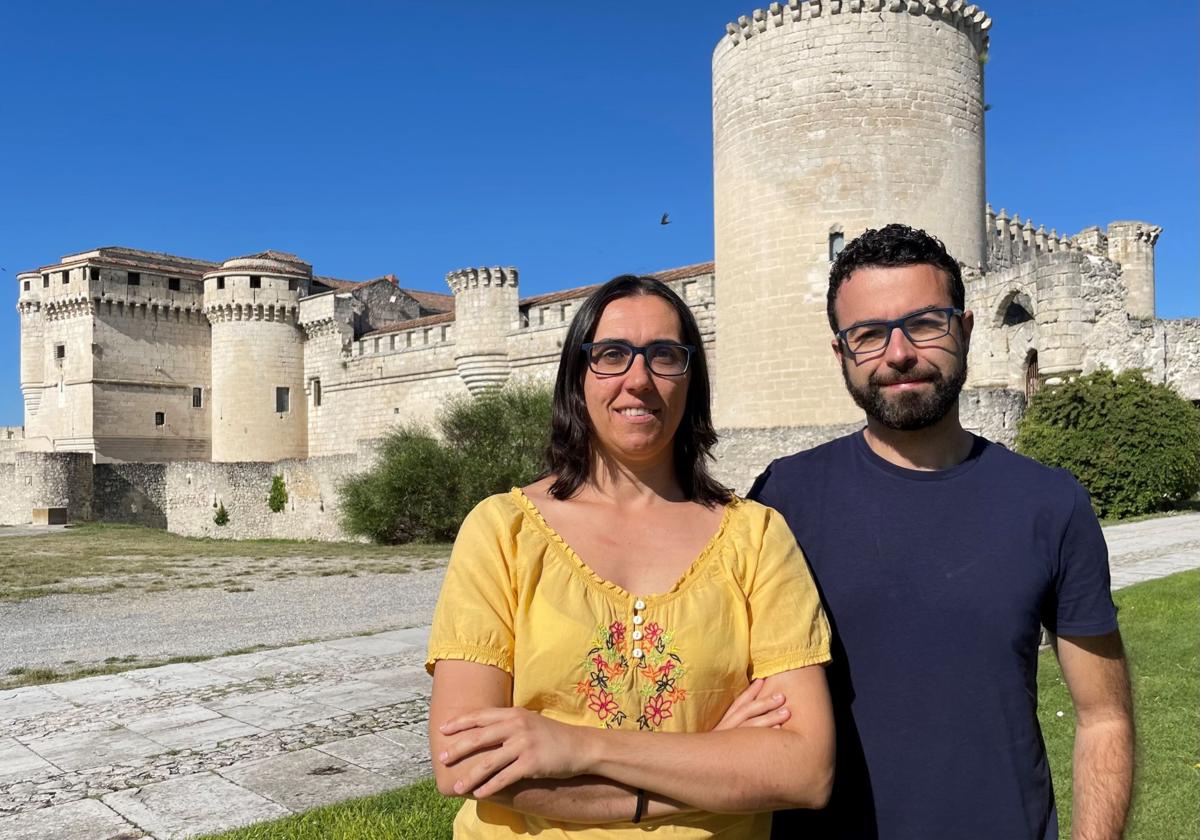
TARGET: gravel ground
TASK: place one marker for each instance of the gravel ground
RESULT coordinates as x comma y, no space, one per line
51,631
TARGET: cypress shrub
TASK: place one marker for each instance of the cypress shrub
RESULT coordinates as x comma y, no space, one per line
425,484
1134,444
278,498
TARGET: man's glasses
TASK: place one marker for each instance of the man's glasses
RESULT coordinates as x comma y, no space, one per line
873,336
664,358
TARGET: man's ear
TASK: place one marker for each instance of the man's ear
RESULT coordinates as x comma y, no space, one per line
837,348
968,324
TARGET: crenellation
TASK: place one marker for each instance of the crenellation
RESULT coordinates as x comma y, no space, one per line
220,367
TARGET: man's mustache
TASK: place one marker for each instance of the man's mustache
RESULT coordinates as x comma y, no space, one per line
900,378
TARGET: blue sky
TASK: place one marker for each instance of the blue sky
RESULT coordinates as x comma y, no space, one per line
418,138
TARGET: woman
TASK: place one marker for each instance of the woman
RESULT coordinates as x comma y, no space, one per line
625,595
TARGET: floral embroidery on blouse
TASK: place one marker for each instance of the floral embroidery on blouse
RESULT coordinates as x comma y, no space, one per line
607,664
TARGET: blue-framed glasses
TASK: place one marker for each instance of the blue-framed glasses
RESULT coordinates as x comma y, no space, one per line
664,358
873,336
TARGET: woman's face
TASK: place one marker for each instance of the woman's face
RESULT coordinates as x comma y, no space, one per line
634,415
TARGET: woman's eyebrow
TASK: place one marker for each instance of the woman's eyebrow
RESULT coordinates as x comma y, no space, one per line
631,344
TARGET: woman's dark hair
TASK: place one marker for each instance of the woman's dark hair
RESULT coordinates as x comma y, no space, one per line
568,457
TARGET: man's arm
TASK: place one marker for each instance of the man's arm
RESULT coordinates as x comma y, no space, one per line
1096,675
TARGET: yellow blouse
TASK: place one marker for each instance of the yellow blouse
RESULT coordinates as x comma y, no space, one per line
583,651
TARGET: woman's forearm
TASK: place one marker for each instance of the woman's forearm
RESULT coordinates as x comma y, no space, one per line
739,770
583,799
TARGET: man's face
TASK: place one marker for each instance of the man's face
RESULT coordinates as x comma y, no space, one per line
908,385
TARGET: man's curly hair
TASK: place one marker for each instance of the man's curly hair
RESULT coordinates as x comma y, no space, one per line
893,246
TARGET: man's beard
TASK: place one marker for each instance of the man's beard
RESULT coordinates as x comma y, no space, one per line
907,411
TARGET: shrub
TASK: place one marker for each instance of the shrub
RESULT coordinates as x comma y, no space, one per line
422,486
221,517
500,439
278,499
1133,444
410,493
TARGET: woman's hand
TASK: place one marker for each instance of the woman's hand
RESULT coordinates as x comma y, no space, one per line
754,710
521,745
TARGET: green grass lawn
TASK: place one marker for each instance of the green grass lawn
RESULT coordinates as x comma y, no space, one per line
1161,624
92,558
1160,621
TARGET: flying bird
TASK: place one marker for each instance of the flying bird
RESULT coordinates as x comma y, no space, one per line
665,220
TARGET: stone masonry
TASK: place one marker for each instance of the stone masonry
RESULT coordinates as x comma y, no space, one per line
829,116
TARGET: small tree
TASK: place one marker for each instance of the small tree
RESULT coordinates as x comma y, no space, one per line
423,486
221,517
1134,444
410,495
278,498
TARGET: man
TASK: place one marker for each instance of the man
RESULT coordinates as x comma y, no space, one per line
939,556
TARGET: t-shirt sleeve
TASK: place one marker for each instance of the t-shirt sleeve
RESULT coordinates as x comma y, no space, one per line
1083,604
788,628
762,490
473,619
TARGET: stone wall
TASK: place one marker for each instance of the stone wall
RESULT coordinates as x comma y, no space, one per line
742,454
194,489
131,494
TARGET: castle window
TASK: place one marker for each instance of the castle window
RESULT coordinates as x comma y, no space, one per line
220,282
523,314
66,277
160,418
94,273
445,333
45,281
255,282
283,400
173,284
60,351
316,392
197,398
293,285
837,241
26,285
134,278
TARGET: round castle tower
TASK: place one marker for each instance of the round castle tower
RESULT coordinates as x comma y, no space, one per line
485,312
258,407
830,117
33,347
1132,245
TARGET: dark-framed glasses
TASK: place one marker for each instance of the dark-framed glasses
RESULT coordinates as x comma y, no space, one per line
873,336
664,358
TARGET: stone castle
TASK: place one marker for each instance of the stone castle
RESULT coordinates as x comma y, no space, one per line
829,117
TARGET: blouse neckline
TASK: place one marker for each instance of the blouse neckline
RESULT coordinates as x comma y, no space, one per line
589,575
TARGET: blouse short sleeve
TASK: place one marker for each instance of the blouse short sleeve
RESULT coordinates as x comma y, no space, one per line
788,628
473,620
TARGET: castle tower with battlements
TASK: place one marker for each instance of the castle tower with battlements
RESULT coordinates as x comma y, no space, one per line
830,117
485,309
258,408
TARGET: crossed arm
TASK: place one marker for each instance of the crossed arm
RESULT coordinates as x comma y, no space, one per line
762,755
1094,670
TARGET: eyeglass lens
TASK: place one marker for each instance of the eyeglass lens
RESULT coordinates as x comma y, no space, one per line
663,359
920,326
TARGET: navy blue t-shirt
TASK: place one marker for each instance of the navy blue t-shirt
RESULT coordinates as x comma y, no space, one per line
936,584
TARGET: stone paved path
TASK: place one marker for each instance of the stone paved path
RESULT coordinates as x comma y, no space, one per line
183,750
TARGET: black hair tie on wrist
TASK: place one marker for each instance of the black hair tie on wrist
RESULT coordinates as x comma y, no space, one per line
640,810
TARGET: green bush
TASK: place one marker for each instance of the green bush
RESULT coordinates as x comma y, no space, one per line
1133,444
221,517
278,498
424,485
